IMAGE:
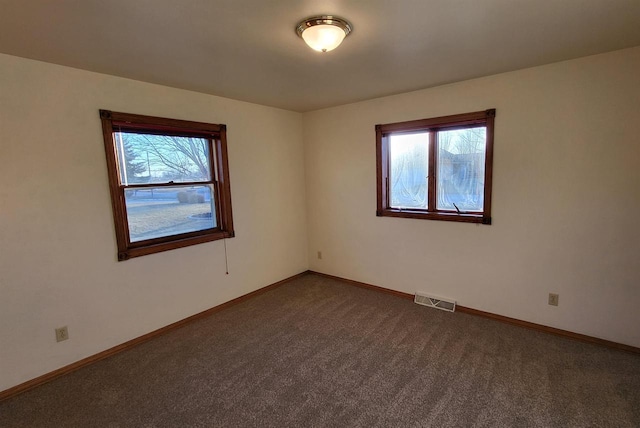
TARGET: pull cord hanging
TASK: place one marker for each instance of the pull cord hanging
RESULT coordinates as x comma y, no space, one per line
226,260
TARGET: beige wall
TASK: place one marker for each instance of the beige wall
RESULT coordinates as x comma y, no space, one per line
566,194
566,198
58,264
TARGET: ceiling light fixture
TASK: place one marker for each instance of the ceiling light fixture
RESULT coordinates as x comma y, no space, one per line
323,33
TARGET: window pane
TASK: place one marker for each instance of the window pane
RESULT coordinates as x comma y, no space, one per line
148,158
164,211
460,177
409,169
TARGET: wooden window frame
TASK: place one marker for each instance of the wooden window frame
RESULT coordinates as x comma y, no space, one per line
216,136
433,126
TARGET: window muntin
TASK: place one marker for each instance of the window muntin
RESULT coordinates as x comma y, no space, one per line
169,182
436,168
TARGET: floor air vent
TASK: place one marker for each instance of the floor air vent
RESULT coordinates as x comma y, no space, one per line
435,302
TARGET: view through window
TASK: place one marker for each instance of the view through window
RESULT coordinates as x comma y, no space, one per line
165,210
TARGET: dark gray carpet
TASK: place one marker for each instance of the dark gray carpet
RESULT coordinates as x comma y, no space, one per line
316,352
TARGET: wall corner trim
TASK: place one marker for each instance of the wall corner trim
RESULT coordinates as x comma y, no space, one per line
47,377
496,317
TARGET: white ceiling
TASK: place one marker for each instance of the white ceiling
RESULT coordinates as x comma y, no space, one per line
248,49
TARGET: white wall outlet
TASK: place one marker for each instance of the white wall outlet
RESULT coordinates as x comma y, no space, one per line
554,299
319,255
62,333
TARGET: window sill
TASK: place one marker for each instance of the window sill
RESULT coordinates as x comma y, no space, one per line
143,250
441,215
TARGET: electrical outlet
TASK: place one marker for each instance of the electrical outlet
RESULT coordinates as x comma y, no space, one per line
553,299
62,333
319,255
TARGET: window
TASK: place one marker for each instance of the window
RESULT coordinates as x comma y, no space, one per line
169,182
437,169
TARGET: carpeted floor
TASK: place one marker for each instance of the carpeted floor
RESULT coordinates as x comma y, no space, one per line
318,353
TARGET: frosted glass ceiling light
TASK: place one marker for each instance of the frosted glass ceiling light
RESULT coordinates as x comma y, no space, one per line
323,33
